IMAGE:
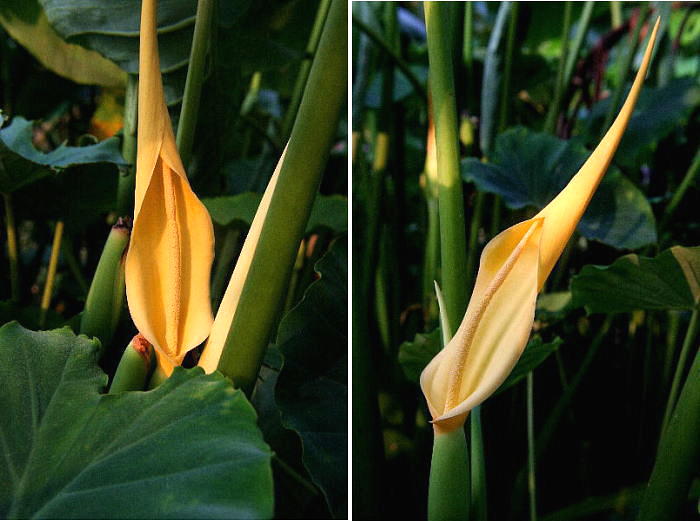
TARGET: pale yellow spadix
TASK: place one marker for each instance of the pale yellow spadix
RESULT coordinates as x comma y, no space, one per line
172,243
513,269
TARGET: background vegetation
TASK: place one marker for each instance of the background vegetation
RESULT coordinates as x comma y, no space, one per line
537,83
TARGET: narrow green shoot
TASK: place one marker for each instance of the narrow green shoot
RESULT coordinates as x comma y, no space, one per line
12,250
51,273
105,299
135,366
195,80
127,175
304,69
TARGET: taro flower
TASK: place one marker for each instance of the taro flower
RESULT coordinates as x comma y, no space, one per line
513,269
172,242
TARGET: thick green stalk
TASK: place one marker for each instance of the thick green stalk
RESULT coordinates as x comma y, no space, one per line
677,457
134,367
479,503
451,204
531,480
12,251
195,79
290,204
625,64
559,87
304,69
127,178
680,191
106,296
448,493
688,342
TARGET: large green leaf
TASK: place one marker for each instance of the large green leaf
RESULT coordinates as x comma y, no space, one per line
329,211
26,22
188,449
668,281
659,111
535,353
530,168
312,389
21,163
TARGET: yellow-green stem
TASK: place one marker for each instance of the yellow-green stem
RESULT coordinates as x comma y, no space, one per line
135,366
195,79
51,273
12,250
304,68
559,87
448,490
451,204
531,480
290,205
127,177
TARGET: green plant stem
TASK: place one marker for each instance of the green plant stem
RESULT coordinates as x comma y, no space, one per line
12,250
398,61
195,80
479,503
51,273
431,264
688,342
304,69
224,261
562,405
474,227
616,14
451,205
583,22
559,86
127,178
73,265
135,367
504,105
468,53
678,455
680,192
448,493
290,205
531,477
106,296
623,71
491,82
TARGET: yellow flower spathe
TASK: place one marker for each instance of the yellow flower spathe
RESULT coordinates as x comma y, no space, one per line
171,250
513,269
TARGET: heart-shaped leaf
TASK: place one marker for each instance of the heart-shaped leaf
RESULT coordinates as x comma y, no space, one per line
312,389
668,281
21,163
188,449
328,211
531,168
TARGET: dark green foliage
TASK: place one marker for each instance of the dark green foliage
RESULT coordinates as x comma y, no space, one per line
312,389
189,449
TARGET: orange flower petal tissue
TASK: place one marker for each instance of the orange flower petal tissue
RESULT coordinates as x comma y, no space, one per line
172,243
513,269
